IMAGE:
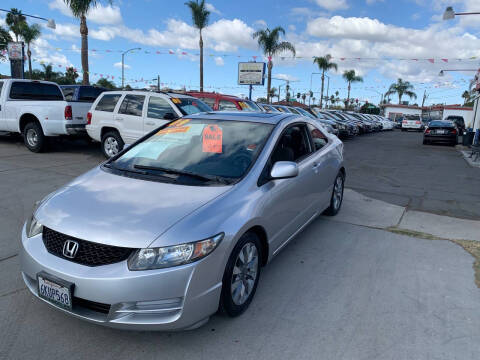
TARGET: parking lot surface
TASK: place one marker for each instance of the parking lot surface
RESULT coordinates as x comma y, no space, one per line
395,167
338,291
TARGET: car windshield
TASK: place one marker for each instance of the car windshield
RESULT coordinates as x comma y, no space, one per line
197,151
441,123
189,106
247,105
305,113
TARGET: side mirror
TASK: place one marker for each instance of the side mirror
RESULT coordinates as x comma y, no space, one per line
284,170
169,116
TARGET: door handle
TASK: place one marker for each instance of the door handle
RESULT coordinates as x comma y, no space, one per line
150,123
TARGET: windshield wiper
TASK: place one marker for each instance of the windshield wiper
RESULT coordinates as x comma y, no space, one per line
183,172
111,166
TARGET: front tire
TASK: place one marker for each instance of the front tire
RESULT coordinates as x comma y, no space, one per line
337,195
112,144
241,275
33,137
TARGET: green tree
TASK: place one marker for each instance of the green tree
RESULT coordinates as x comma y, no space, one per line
5,38
350,77
466,97
69,78
15,21
269,42
200,17
310,95
299,96
102,82
401,88
80,9
304,97
333,100
273,92
30,34
262,100
324,65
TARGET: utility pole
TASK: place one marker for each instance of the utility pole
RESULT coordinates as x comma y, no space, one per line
158,82
425,96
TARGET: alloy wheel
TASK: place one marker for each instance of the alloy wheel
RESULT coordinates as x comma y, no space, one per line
111,146
32,137
338,193
245,272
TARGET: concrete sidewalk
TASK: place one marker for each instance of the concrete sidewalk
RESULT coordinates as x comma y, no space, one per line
362,210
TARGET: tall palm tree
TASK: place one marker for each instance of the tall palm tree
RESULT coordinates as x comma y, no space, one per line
269,42
350,77
466,97
401,88
15,21
5,38
299,96
304,97
324,65
273,92
200,16
30,34
80,9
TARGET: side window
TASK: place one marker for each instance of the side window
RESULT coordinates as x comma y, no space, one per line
89,93
108,102
227,105
69,93
132,105
209,101
318,138
293,145
158,107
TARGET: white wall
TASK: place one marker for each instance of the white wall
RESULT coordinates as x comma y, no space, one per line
467,115
401,110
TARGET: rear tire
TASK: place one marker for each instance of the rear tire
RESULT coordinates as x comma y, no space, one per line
33,137
112,144
241,275
337,196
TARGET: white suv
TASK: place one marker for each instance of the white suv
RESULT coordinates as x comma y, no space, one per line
117,118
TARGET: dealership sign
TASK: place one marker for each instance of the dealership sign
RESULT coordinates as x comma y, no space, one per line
15,50
251,73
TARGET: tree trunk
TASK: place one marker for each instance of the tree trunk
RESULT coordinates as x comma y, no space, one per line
84,54
269,79
399,99
29,54
321,94
201,61
348,97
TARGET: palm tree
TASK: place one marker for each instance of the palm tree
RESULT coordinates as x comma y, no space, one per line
30,34
304,97
350,77
333,100
401,88
324,65
80,10
273,92
299,96
15,21
48,74
5,38
310,94
200,16
269,42
102,82
466,97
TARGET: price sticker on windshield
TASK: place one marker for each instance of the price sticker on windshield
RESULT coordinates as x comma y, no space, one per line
212,138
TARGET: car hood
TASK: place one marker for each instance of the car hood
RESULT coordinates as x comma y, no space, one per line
121,211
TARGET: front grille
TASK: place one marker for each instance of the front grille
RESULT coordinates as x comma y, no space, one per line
92,305
89,253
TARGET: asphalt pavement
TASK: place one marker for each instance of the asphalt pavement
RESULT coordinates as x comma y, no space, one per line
397,168
345,288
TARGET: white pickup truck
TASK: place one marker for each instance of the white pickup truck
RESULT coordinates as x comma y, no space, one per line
37,110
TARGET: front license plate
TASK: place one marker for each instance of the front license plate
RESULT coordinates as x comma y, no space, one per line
55,290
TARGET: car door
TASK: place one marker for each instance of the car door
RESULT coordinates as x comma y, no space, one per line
2,114
130,115
291,203
159,112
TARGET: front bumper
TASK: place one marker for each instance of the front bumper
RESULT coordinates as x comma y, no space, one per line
176,298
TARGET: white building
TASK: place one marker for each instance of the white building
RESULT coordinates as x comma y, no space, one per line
392,111
466,112
436,112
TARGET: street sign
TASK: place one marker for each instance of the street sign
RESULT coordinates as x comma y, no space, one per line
251,73
15,50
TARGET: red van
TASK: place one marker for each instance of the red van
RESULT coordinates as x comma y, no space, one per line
223,102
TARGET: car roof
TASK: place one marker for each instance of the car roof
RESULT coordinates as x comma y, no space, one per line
140,92
212,94
268,118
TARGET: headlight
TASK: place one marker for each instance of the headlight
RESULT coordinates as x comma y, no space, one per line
33,227
164,257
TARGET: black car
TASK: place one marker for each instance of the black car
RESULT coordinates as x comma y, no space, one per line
441,131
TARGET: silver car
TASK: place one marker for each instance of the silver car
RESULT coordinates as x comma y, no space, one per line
181,222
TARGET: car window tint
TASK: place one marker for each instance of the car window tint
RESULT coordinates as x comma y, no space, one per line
132,105
35,91
209,101
293,145
89,93
108,102
68,92
227,105
318,138
158,107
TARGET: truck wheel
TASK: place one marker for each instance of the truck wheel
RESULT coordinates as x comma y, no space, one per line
112,144
33,137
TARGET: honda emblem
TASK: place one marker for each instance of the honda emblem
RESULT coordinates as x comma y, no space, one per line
70,249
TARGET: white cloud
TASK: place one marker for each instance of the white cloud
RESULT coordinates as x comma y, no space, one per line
212,9
332,5
292,27
285,77
260,23
118,65
371,2
101,14
219,61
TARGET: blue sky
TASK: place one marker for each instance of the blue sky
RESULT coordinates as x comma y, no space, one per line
369,36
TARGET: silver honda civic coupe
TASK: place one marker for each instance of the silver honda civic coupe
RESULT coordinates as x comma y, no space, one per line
178,225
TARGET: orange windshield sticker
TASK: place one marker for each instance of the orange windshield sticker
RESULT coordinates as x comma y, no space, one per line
242,104
212,139
176,101
173,130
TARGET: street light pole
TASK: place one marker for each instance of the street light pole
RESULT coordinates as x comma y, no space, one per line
50,22
123,64
450,14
